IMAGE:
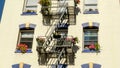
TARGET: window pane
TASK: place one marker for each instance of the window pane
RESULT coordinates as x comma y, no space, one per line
90,7
90,1
27,39
30,7
32,2
27,34
90,37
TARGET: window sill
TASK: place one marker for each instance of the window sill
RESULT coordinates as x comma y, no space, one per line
29,13
90,51
90,12
28,51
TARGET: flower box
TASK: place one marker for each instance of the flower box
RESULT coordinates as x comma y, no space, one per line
22,47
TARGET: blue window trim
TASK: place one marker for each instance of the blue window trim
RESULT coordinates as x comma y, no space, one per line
94,65
17,66
93,24
29,13
88,51
24,26
28,51
90,12
2,2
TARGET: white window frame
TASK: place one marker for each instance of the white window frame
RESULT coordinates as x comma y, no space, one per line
90,7
30,6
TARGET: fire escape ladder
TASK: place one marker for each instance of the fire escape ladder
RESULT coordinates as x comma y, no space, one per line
51,30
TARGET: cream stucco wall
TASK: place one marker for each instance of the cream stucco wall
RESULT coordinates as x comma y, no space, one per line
109,34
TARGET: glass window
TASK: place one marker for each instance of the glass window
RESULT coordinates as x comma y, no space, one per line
30,7
90,40
26,37
1,7
90,7
25,40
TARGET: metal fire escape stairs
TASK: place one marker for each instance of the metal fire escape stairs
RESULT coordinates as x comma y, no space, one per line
50,45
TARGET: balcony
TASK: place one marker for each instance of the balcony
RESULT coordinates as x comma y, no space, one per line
62,47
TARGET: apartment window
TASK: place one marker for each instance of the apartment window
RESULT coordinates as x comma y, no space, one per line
90,7
91,65
1,7
90,35
25,37
30,7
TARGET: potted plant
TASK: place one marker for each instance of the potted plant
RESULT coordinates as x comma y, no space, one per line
46,4
68,41
77,2
22,47
40,41
75,40
97,47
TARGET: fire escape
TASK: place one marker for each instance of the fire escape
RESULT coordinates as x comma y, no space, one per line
56,47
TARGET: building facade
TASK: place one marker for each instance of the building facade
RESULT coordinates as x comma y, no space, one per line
95,23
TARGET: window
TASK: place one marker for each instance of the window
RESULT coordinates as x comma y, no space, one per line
26,35
91,65
1,7
90,35
90,7
30,7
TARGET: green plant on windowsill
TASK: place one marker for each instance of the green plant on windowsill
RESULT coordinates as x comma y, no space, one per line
97,47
